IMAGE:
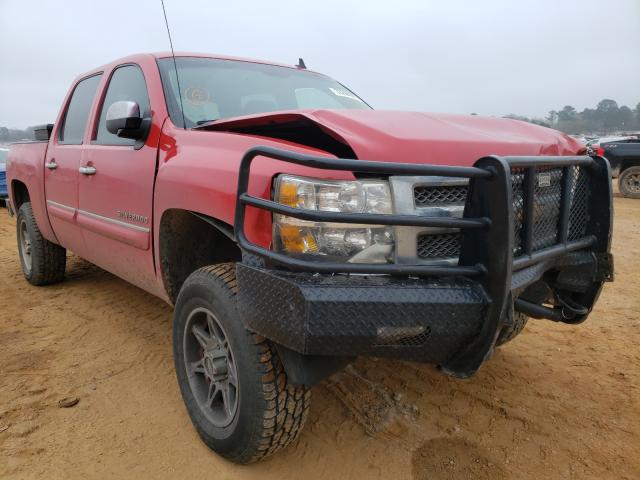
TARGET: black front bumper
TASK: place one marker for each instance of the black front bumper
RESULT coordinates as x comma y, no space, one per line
448,315
417,319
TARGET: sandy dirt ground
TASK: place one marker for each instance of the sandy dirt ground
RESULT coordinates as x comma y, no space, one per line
558,402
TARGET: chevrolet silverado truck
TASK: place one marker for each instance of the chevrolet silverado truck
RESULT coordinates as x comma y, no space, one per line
295,228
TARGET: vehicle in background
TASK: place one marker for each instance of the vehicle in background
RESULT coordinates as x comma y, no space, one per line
3,175
599,140
580,138
624,157
295,228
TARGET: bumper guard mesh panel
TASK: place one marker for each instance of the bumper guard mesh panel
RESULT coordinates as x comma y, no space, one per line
546,203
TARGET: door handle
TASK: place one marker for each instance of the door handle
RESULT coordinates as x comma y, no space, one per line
87,170
51,164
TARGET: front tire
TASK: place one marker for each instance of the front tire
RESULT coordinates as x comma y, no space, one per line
629,182
232,381
512,331
43,262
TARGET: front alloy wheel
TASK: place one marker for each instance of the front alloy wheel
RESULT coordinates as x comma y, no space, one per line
213,377
232,381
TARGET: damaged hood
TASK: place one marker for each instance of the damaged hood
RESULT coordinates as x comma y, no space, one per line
408,137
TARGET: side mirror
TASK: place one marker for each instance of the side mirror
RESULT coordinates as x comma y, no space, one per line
123,119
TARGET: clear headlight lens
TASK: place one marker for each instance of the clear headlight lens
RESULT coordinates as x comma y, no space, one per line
333,241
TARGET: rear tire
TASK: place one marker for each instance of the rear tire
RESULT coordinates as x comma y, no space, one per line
509,333
232,381
43,262
629,182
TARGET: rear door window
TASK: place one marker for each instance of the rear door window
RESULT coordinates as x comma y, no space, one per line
127,83
75,119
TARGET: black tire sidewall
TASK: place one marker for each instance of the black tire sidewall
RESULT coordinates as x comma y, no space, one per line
509,333
622,180
202,292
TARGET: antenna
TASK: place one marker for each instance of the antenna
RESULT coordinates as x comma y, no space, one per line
175,65
301,64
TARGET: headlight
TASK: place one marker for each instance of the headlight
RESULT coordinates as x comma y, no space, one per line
333,241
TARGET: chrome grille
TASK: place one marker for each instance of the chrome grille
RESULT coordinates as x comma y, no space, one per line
428,196
439,246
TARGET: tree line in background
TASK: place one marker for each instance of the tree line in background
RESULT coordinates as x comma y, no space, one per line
606,118
15,134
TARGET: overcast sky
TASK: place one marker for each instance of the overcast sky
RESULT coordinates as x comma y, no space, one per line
492,57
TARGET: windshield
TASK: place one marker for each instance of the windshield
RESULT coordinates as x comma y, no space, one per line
212,89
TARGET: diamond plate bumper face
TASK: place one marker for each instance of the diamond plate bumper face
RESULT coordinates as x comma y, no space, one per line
414,319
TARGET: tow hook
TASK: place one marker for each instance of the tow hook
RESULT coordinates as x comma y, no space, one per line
570,309
567,312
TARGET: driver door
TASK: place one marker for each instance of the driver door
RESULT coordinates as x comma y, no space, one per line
115,194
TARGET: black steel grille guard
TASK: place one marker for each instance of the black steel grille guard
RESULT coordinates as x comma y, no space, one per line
484,172
487,228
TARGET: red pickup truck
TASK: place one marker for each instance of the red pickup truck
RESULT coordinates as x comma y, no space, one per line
295,228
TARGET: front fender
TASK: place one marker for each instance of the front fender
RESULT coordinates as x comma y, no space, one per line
198,172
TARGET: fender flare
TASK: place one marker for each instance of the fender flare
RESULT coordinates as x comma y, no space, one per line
221,226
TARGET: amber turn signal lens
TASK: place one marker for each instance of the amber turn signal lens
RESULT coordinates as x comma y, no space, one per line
288,194
295,240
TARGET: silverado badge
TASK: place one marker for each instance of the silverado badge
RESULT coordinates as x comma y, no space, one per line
132,216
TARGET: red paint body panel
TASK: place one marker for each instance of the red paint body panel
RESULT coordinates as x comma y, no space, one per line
95,229
194,176
25,163
124,182
197,170
61,187
68,215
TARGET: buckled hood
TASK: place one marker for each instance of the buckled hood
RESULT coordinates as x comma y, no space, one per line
411,137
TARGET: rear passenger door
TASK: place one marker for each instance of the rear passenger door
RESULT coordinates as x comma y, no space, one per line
116,187
62,162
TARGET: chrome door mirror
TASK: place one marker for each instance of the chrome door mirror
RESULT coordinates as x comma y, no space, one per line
123,119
